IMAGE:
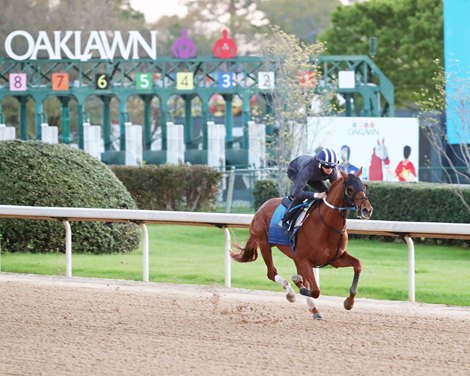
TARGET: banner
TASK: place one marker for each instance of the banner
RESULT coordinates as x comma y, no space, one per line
387,149
457,67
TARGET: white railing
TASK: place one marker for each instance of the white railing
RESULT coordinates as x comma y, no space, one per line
406,230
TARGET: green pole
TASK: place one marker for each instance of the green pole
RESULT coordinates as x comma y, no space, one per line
23,118
39,119
228,121
187,120
205,118
65,119
106,122
80,125
347,104
122,124
163,120
147,122
245,119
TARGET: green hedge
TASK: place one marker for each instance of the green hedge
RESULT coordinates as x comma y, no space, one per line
408,202
263,191
420,202
34,173
171,187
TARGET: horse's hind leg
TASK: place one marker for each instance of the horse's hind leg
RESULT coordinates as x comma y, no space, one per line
347,260
290,295
313,308
266,252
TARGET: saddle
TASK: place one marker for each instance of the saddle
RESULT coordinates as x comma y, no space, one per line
290,224
278,234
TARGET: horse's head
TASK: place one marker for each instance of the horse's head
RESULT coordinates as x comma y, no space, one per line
355,194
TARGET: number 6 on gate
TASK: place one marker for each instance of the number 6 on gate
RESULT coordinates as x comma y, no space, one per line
101,81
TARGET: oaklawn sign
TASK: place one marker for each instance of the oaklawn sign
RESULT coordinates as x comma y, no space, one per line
21,45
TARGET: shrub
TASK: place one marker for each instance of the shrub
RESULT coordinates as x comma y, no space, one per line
263,191
419,202
171,187
33,173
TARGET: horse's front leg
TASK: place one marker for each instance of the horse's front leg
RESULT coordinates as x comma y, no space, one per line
347,260
298,280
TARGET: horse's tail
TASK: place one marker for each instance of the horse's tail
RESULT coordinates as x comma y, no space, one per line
248,253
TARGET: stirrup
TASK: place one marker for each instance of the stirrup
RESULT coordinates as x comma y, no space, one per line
285,225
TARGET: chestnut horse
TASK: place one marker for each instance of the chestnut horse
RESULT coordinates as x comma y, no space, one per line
321,240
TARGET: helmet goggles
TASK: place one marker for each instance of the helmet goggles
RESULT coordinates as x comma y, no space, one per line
328,164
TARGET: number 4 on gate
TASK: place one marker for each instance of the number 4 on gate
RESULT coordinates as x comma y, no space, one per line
184,81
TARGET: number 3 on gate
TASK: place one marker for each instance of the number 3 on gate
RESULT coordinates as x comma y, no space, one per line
184,81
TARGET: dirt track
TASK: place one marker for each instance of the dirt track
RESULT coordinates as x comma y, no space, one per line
60,326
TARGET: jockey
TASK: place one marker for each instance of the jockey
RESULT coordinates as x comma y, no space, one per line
313,171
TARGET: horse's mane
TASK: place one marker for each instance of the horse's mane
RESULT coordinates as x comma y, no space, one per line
341,179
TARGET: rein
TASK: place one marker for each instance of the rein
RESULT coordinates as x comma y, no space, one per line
340,208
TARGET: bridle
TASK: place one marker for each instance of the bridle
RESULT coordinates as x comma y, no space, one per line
350,201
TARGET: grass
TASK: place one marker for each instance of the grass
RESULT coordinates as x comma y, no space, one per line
195,255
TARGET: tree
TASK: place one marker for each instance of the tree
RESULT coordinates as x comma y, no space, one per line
305,19
410,38
296,76
206,19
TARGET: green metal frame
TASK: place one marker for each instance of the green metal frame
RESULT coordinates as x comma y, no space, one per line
370,85
371,89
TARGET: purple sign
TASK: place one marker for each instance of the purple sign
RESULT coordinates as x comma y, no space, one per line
184,47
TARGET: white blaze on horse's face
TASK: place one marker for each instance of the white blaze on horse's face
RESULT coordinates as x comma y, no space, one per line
364,209
357,194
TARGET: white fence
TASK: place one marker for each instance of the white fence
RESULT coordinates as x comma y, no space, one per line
49,134
407,230
7,133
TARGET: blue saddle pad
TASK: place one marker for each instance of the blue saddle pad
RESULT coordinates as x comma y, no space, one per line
277,233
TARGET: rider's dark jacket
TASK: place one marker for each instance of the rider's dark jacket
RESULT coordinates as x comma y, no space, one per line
305,170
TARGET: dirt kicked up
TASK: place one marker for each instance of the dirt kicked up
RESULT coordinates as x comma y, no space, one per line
77,326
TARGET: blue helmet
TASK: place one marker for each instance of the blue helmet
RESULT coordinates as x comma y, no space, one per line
328,158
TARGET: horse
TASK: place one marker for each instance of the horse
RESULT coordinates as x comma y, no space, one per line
321,240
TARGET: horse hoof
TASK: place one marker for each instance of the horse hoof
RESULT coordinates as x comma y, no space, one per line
290,298
347,306
318,316
297,278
